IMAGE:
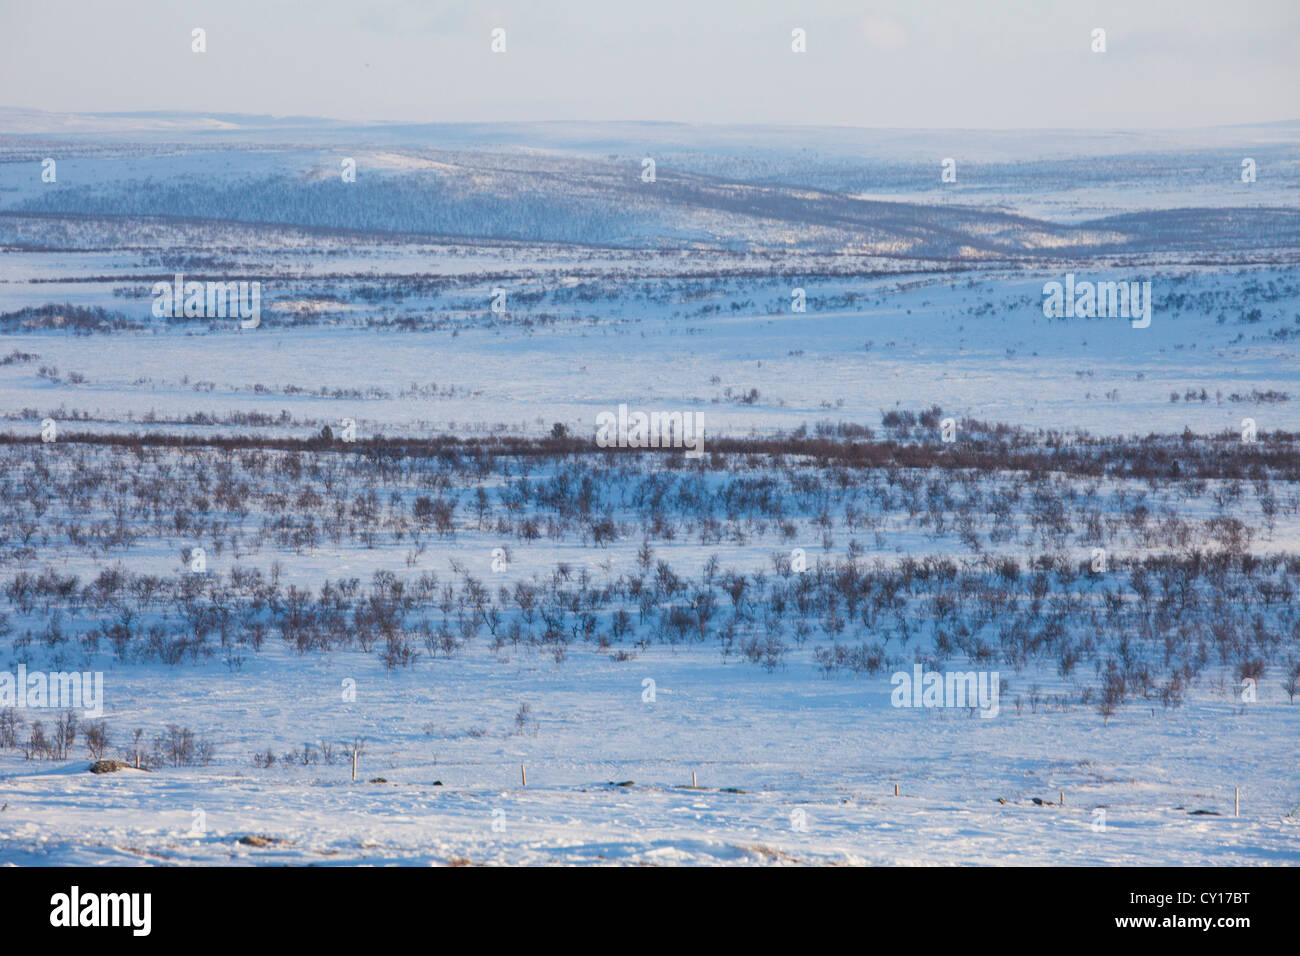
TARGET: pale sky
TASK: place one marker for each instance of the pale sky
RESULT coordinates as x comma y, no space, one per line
911,63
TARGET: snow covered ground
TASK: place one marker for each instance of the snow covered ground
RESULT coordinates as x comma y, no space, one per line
976,346
790,768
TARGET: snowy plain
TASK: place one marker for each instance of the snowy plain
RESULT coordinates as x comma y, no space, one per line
684,305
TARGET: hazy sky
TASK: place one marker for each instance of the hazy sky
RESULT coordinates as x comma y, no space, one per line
911,63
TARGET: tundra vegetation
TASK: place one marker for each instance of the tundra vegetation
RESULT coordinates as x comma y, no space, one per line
1133,568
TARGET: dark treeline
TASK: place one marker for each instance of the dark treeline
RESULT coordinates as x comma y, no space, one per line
911,442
